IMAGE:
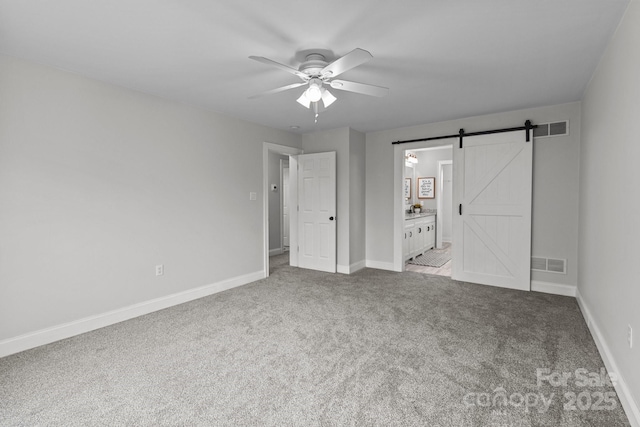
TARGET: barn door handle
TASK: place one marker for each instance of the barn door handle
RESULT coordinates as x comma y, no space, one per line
460,208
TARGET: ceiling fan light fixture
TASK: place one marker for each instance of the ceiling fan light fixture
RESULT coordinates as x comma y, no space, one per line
327,98
303,100
314,93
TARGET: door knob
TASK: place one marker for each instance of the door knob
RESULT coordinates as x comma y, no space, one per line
330,218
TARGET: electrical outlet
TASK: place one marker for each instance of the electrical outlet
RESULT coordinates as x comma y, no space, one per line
630,336
253,196
159,270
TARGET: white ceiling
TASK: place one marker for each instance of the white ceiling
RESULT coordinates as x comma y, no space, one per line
441,59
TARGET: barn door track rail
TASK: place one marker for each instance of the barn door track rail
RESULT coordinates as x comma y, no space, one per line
527,126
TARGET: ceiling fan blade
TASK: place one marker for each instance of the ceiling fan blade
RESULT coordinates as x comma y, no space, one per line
352,59
281,66
359,88
280,89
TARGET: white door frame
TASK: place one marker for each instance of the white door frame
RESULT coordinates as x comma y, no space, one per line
279,149
398,199
439,201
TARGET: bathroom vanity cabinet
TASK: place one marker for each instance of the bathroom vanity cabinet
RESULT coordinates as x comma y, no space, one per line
419,235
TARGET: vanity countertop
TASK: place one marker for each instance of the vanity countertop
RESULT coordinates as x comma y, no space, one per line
418,215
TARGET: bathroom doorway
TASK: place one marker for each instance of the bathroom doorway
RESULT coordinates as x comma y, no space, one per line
428,210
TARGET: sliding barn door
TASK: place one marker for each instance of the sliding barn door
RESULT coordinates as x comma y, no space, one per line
317,211
492,216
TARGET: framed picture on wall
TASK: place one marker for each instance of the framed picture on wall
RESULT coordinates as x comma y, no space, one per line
427,188
407,188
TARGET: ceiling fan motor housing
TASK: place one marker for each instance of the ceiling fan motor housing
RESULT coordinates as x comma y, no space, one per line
313,65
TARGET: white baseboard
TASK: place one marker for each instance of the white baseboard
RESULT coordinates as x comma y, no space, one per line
344,269
276,251
379,265
553,288
80,326
356,266
624,394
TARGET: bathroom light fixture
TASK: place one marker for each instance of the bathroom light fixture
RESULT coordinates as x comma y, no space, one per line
411,158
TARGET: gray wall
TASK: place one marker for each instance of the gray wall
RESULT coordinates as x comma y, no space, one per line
427,166
99,184
609,204
275,238
555,184
357,189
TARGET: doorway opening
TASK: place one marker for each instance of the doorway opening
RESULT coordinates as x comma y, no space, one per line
428,210
278,209
275,161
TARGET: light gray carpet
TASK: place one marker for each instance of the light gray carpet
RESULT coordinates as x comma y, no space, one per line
305,348
432,258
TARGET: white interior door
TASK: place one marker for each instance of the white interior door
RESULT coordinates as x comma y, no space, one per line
317,211
492,217
285,206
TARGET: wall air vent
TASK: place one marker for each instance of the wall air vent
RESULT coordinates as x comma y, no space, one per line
538,263
557,265
546,130
550,265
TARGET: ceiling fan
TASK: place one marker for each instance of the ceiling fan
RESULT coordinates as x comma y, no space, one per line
316,73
